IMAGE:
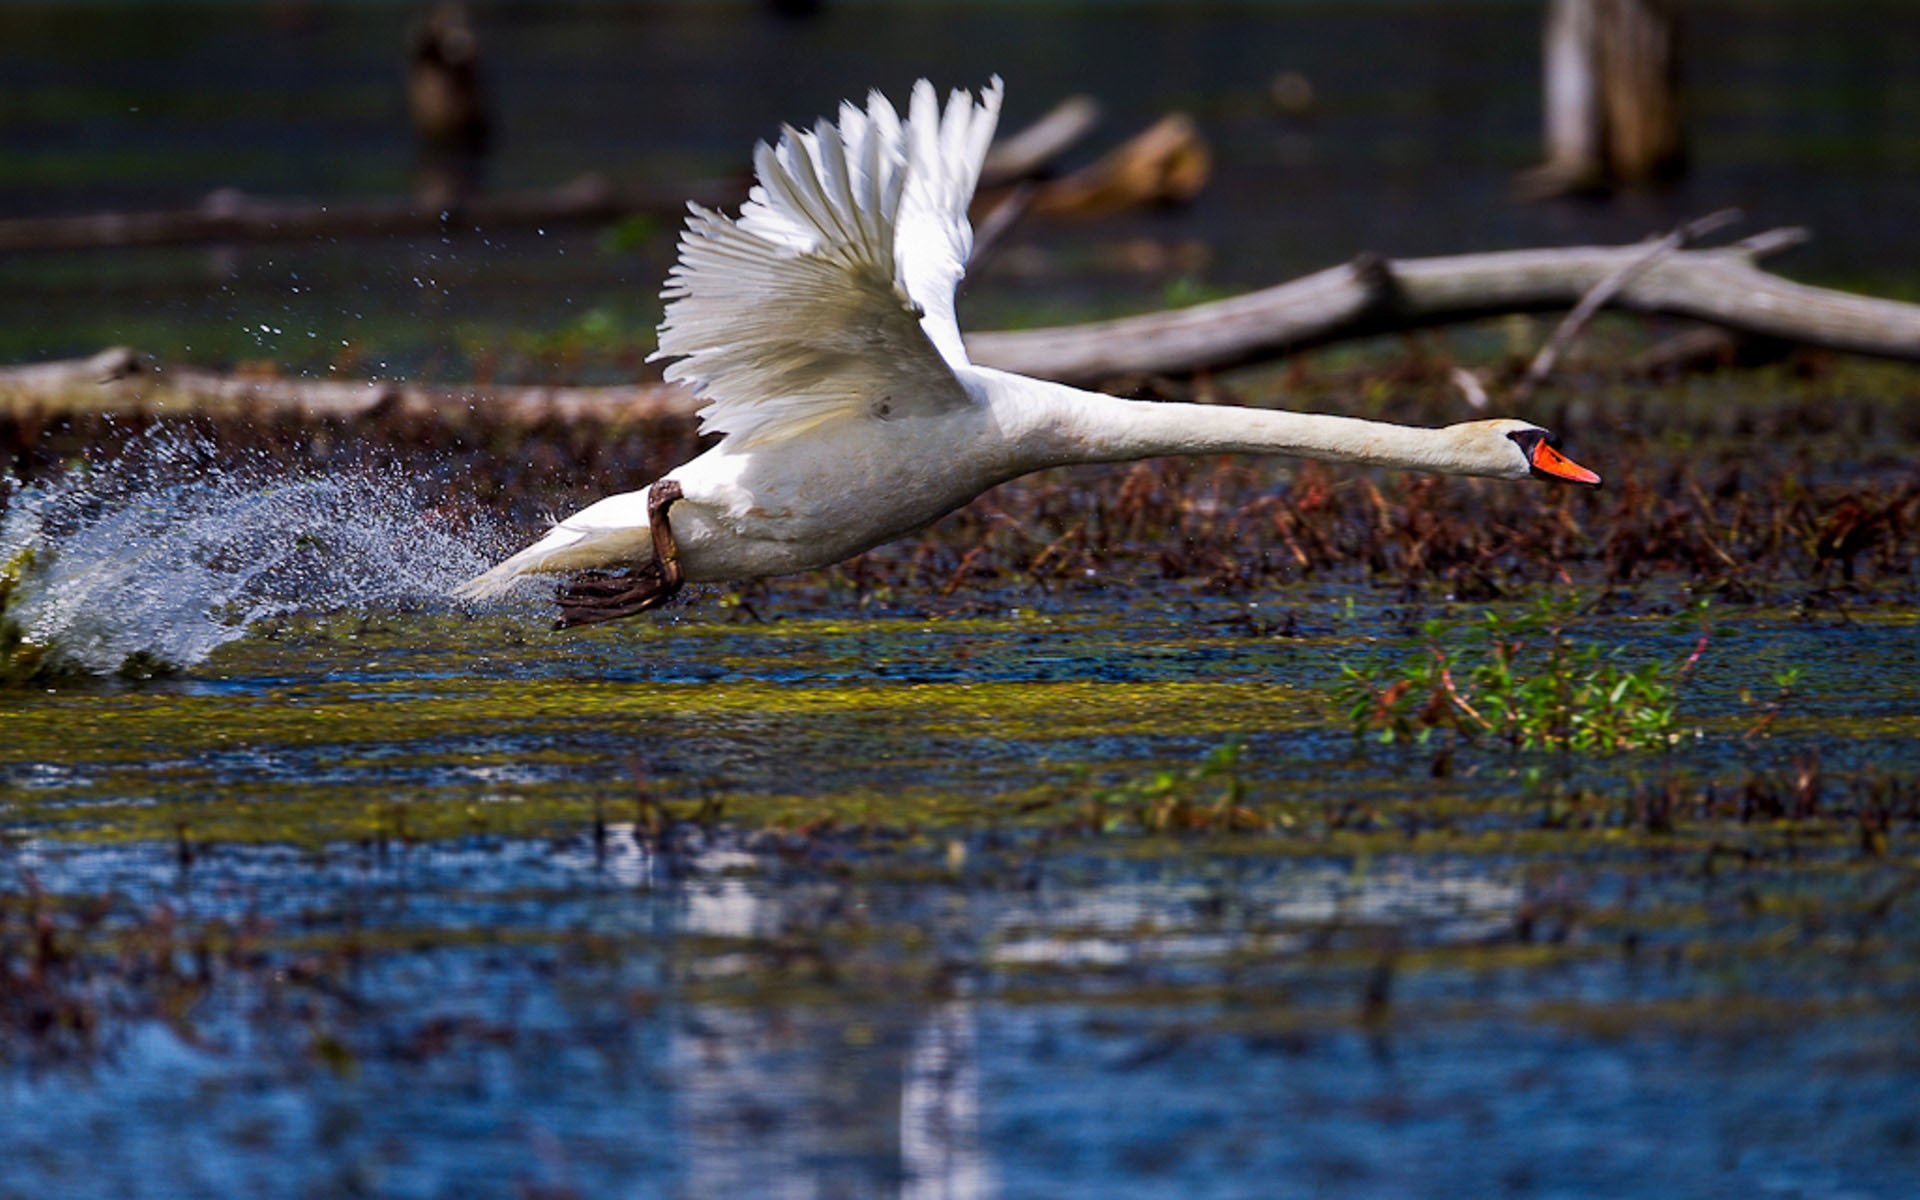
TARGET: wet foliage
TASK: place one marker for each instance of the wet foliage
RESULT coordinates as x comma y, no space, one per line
1522,680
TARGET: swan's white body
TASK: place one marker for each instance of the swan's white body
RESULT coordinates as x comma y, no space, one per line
819,327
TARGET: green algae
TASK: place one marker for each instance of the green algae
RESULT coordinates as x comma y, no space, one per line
392,739
135,726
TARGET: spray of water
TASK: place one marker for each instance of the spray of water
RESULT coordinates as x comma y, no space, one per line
164,551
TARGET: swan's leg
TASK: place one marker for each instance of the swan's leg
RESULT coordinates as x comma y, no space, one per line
666,551
595,596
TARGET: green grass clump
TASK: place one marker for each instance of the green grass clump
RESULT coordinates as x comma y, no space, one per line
1523,680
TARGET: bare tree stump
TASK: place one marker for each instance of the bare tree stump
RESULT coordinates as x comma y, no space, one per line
447,102
1611,96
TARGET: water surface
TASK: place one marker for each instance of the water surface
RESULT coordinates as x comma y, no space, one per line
410,924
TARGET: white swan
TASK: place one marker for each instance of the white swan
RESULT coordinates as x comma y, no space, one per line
819,329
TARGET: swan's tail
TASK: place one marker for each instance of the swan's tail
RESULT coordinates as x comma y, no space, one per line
563,549
497,580
608,533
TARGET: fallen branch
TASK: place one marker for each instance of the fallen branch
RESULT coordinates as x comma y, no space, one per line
1703,349
121,381
229,216
1033,151
992,223
1368,296
1576,322
1721,286
232,216
1167,163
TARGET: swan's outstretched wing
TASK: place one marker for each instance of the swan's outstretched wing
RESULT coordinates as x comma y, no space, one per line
832,293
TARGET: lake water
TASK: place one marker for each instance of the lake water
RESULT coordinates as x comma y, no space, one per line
938,876
859,901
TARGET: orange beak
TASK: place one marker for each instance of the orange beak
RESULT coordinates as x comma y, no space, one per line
1549,463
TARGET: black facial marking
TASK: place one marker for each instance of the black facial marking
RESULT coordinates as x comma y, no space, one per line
1529,440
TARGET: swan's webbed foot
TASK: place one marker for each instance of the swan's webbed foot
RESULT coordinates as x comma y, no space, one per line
595,596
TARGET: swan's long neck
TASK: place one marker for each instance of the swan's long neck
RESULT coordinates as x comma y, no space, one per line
1087,427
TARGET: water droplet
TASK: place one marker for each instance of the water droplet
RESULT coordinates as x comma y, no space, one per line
168,551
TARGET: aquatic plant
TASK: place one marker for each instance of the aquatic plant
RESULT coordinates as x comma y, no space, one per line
1205,796
1522,679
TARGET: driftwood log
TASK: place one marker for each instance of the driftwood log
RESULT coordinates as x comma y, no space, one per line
119,380
1611,96
1722,287
1575,322
231,216
1167,163
1033,151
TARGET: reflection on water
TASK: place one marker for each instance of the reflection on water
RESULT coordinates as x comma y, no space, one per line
941,1142
694,1028
794,1107
1119,925
793,1102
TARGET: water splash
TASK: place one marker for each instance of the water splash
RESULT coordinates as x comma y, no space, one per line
164,551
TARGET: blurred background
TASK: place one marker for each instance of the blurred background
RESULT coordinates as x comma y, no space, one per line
1397,127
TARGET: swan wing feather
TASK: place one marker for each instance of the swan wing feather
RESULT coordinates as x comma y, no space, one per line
832,292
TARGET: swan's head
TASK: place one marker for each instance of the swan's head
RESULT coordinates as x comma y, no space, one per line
1508,449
